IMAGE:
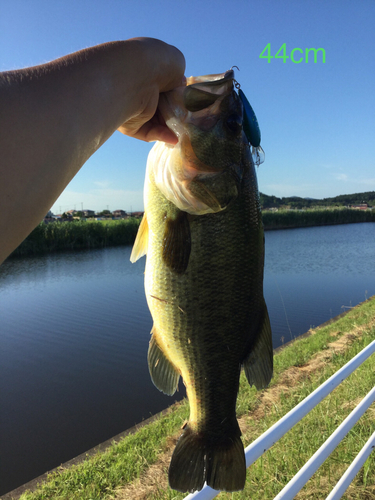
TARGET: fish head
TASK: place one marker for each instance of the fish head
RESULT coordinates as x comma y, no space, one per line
203,172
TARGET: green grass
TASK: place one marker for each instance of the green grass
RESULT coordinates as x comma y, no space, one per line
77,235
99,476
315,217
273,471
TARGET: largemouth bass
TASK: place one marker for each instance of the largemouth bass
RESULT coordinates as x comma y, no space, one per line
203,235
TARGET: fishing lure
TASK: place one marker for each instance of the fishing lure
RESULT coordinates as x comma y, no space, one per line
251,128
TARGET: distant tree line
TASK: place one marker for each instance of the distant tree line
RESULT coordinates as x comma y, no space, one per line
296,202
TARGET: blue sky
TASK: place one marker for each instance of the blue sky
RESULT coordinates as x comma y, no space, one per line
317,120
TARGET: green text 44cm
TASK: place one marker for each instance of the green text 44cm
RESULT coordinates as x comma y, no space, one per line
297,55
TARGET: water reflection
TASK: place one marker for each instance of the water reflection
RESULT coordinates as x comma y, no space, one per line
314,274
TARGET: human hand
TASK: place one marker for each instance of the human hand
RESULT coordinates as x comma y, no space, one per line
162,70
75,104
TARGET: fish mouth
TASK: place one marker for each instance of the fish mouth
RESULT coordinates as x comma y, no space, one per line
202,92
199,95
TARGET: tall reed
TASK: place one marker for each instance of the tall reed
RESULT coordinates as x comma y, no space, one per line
57,236
305,218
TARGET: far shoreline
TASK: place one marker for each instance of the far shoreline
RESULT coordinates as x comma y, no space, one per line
91,234
275,228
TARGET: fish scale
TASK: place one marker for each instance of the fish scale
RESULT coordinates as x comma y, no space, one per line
204,284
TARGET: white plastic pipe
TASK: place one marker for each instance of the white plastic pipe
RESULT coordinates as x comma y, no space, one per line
310,467
352,470
274,433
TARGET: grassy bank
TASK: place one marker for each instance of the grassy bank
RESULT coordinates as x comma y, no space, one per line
77,235
136,467
315,217
58,236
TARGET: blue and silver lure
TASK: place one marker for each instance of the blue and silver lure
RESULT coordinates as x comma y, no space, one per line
251,128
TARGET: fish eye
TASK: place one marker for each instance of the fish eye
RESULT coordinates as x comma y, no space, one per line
234,123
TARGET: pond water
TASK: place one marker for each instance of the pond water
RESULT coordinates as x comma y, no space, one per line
75,329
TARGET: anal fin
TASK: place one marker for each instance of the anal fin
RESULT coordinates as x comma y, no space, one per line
163,373
258,364
141,241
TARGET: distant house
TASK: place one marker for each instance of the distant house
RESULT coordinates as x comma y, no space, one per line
88,213
119,213
49,217
361,206
137,214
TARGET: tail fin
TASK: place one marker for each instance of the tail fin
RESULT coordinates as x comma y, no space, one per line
218,460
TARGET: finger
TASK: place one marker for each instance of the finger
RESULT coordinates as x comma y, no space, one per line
150,132
162,133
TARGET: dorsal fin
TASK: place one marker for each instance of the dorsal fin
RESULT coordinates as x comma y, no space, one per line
141,241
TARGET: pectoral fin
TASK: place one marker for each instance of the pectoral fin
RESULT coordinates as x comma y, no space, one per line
258,365
177,242
141,241
163,373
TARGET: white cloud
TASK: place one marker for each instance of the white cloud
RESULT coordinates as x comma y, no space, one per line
328,166
342,177
360,182
368,182
102,184
285,190
99,199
